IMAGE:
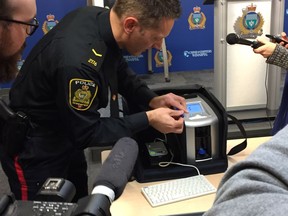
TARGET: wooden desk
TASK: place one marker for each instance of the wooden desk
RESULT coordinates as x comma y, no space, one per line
133,203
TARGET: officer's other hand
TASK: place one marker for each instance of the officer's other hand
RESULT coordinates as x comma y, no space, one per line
166,120
169,100
267,49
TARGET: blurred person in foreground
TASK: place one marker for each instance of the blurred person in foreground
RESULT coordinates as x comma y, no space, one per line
17,22
257,185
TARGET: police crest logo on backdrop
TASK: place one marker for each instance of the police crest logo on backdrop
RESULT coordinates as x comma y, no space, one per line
196,19
160,60
250,24
49,23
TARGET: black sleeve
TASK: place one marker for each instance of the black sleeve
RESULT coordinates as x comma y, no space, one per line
83,121
133,88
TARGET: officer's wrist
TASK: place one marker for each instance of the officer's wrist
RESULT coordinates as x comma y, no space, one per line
151,116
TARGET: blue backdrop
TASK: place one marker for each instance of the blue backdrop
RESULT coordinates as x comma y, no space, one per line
58,8
286,17
190,48
189,45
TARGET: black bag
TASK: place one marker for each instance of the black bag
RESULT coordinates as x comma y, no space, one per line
145,171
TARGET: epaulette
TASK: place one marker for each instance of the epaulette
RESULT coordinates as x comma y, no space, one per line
95,57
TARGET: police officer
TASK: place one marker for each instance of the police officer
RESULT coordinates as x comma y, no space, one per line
17,21
70,74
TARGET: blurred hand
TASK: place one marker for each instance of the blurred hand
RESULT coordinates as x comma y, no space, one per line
267,49
166,120
169,100
284,37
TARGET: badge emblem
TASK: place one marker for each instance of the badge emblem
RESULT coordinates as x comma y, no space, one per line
49,23
82,93
160,60
250,24
197,19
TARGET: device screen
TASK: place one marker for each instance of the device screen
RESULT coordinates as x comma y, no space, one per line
194,108
156,149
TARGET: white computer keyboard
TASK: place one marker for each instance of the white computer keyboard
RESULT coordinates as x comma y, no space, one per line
177,190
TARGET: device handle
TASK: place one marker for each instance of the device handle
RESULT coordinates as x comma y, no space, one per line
241,146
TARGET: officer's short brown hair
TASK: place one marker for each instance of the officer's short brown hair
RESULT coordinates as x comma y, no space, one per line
148,12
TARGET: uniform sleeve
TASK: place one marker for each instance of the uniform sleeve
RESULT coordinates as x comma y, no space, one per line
257,185
132,87
79,100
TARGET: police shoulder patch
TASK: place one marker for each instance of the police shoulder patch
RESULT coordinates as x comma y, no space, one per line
82,93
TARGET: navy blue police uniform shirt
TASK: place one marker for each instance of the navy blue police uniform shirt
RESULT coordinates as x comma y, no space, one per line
64,81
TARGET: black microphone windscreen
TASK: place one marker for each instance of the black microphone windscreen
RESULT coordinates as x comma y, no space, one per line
232,38
117,168
235,39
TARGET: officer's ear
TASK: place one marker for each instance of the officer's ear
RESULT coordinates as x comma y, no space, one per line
130,23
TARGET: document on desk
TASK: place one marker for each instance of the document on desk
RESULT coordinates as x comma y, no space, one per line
177,190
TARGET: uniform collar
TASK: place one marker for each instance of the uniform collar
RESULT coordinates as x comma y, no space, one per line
106,30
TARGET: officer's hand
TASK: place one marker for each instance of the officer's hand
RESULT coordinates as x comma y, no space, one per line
267,49
169,100
166,120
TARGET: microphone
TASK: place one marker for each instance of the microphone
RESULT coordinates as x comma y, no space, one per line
111,180
235,39
118,167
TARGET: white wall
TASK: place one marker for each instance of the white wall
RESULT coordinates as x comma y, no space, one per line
246,71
